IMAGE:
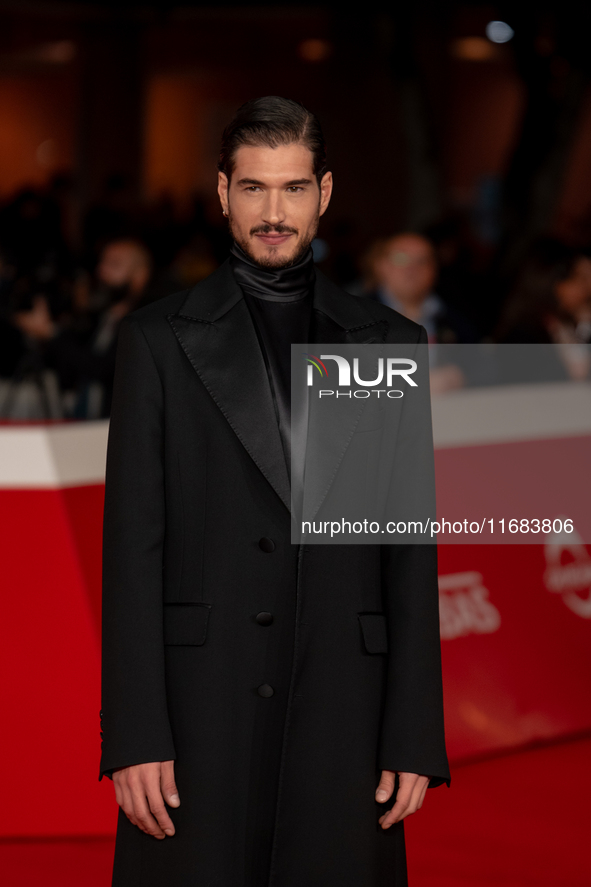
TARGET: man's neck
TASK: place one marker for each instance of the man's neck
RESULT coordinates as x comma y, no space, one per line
291,282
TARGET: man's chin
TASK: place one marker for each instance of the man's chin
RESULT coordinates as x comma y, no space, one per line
274,256
276,260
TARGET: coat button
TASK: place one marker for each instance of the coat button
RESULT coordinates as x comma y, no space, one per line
266,545
265,690
264,618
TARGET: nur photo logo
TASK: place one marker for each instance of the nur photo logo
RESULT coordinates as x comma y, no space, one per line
389,370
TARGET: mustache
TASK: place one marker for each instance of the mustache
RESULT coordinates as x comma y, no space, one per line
275,229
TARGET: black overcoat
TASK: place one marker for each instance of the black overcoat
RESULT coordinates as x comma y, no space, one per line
233,651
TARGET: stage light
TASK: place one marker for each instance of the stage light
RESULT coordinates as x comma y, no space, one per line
47,153
60,51
473,49
499,32
314,50
57,52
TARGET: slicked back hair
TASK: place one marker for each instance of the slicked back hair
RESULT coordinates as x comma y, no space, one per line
272,121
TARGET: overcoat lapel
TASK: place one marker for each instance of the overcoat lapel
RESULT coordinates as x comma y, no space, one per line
341,318
216,332
338,319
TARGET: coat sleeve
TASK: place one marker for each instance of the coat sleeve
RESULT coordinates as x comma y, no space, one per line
412,735
135,724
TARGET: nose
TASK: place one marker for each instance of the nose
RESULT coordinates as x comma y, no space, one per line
274,210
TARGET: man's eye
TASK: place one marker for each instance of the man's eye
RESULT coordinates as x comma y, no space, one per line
294,188
253,188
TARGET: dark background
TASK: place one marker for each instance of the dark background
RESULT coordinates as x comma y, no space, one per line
111,115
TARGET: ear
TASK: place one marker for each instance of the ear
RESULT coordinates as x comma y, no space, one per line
325,192
223,185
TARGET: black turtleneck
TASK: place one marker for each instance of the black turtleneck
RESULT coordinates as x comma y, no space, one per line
280,303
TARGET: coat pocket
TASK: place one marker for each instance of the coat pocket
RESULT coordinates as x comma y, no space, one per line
374,632
186,624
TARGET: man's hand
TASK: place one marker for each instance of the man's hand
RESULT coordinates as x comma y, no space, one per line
409,797
37,322
141,791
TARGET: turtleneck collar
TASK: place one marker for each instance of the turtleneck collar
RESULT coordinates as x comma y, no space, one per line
273,284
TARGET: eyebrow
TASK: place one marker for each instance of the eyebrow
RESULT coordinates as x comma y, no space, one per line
290,184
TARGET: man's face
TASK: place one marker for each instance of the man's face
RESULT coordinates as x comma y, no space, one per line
574,293
116,265
409,268
273,202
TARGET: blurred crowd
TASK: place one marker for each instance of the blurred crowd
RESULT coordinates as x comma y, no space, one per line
60,307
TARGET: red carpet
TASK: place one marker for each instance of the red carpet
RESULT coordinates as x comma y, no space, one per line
520,820
517,820
46,862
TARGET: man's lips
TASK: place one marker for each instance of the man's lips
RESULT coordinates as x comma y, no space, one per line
273,239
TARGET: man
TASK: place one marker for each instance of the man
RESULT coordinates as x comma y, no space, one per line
124,269
82,348
254,734
404,272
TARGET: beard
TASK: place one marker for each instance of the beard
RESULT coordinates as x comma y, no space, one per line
279,262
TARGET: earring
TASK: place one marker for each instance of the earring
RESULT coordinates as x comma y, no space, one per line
224,213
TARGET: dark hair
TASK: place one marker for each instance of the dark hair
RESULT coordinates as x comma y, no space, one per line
533,296
273,121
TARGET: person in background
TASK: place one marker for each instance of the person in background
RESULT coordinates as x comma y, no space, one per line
82,351
12,344
583,311
551,304
124,268
551,297
403,272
